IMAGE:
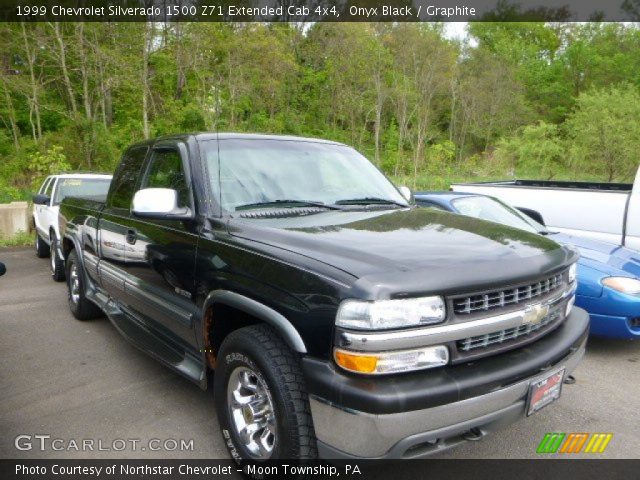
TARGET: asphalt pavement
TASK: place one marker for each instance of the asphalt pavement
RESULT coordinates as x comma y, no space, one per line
80,390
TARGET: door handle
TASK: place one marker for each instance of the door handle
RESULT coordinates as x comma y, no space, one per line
131,237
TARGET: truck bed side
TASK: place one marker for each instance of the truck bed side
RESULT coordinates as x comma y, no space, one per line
567,185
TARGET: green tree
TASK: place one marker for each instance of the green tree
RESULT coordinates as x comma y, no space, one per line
604,132
537,148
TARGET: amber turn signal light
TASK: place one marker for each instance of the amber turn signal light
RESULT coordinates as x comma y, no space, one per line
356,362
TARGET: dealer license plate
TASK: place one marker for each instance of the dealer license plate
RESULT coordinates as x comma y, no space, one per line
545,391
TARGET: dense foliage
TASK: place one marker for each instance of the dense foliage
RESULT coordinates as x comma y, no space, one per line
528,99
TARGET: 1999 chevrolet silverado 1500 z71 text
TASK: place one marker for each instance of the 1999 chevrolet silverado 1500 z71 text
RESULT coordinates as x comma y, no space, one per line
340,320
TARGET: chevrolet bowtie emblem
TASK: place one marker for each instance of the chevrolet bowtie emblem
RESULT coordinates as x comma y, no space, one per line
533,314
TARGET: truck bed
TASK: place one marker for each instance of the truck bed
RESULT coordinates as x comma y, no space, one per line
568,185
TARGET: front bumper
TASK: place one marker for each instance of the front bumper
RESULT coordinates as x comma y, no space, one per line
414,415
613,314
615,326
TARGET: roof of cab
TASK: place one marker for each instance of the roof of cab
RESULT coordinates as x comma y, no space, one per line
207,136
256,136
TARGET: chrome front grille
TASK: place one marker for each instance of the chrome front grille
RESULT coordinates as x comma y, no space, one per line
502,336
501,298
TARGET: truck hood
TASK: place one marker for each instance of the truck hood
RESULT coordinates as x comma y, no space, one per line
606,258
410,250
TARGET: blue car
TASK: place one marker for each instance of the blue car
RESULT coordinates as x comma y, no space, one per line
608,275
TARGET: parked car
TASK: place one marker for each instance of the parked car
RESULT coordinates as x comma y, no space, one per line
341,320
3,269
46,204
603,211
608,275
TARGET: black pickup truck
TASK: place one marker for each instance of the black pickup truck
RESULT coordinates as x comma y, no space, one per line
340,320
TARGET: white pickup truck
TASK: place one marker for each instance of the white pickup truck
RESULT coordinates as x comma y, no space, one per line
46,204
604,211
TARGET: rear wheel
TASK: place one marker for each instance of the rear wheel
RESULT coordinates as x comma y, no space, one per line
81,307
57,264
260,398
42,249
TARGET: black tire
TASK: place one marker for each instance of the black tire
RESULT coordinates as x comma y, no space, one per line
80,306
42,249
57,264
259,349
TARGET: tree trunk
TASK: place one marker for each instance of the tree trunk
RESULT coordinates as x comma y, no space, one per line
454,98
145,78
12,116
62,58
379,105
34,102
105,80
181,78
401,118
84,71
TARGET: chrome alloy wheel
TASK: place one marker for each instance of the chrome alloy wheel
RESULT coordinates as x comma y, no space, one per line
74,284
252,413
53,257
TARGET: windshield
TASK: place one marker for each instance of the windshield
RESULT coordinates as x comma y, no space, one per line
491,209
82,187
258,171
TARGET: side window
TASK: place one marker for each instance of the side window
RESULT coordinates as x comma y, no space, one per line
44,185
49,189
166,171
124,181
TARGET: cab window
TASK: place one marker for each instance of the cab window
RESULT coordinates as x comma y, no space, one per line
166,170
124,181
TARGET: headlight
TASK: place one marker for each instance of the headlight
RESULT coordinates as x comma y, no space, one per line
392,362
627,285
383,314
572,272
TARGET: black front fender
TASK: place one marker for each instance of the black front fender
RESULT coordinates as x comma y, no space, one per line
268,315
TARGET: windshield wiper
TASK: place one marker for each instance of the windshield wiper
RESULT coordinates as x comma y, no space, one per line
292,202
370,201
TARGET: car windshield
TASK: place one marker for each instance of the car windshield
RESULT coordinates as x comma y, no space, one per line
259,172
82,187
491,209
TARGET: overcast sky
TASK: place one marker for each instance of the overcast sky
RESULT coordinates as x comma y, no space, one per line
456,30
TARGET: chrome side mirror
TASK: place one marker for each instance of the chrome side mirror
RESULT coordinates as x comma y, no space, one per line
159,204
406,193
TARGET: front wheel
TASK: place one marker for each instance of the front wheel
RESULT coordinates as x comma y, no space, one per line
260,398
57,264
42,249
